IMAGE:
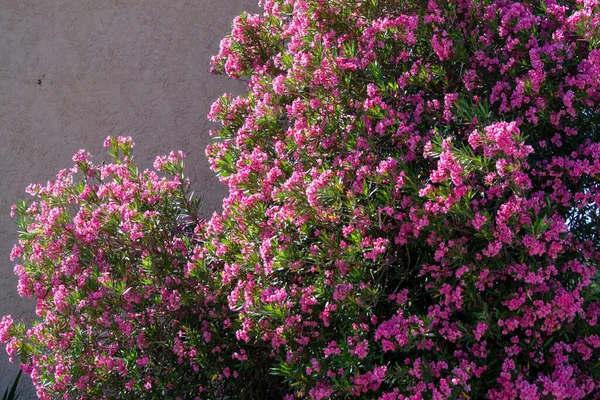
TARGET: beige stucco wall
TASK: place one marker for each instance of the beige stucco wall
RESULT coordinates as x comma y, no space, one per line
74,71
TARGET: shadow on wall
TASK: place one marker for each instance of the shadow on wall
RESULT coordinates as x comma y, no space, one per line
74,71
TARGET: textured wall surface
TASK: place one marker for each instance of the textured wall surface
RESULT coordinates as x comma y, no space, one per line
74,71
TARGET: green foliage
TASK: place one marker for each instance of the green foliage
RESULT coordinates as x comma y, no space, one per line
11,392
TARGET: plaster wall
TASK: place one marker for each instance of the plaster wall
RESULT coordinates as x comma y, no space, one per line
74,71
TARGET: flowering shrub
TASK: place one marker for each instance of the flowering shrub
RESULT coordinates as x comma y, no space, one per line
124,311
412,213
413,196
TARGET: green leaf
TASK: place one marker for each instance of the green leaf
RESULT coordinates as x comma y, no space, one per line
12,393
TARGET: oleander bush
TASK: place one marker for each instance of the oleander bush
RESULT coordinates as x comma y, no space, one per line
412,213
125,310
